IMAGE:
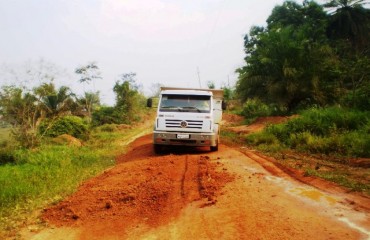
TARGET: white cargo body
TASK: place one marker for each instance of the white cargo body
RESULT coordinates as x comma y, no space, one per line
188,117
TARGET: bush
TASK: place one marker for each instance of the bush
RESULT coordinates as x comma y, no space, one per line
265,141
71,125
263,138
255,108
107,115
325,121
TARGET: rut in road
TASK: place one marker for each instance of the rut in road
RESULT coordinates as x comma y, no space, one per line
143,189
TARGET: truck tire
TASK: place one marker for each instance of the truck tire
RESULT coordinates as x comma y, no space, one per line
157,148
214,148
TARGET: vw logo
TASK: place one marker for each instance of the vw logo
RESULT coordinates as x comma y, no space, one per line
183,124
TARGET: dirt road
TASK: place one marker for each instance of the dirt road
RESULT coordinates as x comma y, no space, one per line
195,194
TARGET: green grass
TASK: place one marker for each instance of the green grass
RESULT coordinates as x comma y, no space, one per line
341,178
330,131
49,173
230,138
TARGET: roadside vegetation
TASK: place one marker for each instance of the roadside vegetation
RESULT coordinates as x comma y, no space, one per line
311,62
330,131
52,140
34,178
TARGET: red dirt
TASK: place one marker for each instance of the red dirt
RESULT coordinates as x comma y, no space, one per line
141,189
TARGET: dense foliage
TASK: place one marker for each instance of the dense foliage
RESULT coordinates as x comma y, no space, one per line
306,56
71,125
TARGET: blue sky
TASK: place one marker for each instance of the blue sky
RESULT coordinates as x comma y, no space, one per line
163,41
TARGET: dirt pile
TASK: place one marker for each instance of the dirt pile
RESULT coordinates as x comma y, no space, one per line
142,189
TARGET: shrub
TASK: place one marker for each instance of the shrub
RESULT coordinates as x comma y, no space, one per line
255,108
108,115
261,138
71,125
280,131
264,141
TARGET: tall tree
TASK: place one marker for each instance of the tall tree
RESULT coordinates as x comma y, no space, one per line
128,99
89,73
89,101
287,62
350,21
59,102
20,108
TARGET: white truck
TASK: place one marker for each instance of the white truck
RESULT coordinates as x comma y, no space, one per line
188,117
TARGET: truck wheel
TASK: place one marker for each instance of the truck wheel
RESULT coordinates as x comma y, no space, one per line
157,148
214,148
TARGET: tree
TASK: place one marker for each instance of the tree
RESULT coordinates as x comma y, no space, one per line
350,22
88,74
125,89
19,108
128,99
25,109
58,103
211,85
88,102
289,62
355,74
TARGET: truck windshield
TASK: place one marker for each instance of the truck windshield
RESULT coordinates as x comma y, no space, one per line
185,103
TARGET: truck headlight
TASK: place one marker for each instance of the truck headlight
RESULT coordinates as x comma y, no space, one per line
161,135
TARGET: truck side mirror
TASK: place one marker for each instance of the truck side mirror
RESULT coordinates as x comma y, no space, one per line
224,105
149,102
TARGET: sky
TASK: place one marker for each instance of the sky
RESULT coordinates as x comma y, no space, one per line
175,43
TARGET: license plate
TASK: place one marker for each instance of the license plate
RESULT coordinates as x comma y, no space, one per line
183,136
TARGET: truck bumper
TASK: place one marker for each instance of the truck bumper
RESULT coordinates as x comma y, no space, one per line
185,138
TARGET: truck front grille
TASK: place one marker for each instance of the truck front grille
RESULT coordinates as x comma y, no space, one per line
175,123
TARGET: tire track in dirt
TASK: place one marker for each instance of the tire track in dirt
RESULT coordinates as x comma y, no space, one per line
144,190
183,177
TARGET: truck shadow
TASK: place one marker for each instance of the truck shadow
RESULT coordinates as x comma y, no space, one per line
181,150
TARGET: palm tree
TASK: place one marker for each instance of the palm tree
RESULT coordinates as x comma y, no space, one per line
59,103
349,21
89,101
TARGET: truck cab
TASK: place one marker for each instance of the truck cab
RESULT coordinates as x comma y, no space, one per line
188,117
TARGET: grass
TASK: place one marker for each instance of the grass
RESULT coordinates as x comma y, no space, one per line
41,176
330,131
230,138
342,178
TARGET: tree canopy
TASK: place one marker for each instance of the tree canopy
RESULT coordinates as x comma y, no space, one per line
296,60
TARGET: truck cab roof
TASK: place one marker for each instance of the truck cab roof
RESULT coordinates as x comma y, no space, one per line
216,93
187,92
